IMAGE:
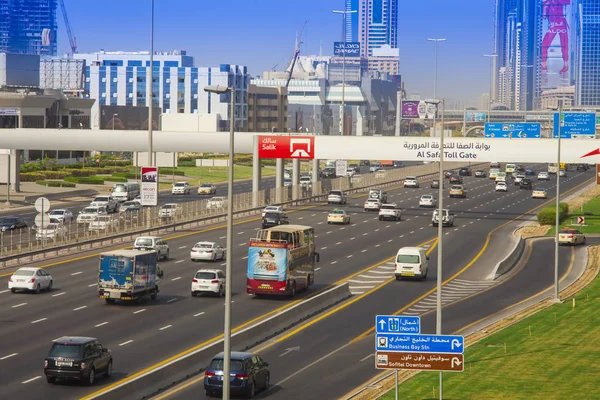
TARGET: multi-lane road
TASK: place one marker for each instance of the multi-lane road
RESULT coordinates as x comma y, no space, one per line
141,335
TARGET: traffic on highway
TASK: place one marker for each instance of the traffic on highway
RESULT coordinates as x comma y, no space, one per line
359,250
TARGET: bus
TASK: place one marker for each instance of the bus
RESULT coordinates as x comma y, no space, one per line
125,191
281,260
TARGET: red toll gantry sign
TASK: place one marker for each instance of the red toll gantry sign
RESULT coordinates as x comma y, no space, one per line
273,146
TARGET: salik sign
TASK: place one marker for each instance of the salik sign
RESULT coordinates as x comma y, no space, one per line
273,146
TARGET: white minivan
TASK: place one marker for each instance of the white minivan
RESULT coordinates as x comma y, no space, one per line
411,262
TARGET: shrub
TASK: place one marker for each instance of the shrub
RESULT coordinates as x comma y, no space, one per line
31,167
128,175
31,176
187,163
56,183
55,174
83,172
170,171
115,179
547,215
85,180
186,159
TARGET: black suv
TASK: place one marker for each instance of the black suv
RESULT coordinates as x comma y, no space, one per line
328,173
465,172
274,218
582,167
77,358
12,223
526,184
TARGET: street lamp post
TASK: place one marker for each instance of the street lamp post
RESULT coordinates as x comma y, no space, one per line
229,240
491,57
438,320
150,144
344,14
557,213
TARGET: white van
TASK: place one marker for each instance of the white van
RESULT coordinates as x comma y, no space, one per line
411,262
125,191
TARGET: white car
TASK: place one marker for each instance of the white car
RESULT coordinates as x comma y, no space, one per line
427,200
562,173
518,179
207,251
216,202
62,215
390,211
306,182
501,187
337,197
350,172
89,214
181,188
411,181
30,278
272,209
543,176
104,223
168,210
51,231
208,281
372,205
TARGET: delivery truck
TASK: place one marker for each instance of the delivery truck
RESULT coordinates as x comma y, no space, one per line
128,275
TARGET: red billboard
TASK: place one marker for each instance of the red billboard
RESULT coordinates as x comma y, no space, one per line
273,146
555,46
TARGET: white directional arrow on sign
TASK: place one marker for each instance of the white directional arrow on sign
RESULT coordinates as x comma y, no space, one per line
456,361
455,343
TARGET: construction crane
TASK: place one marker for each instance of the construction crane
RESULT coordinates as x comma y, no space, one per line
72,39
294,57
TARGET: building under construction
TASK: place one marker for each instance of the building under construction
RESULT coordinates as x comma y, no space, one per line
28,27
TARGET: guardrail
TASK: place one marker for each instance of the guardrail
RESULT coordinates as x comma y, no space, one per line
22,246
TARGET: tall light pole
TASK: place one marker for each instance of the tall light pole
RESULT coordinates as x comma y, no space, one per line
229,241
438,319
344,14
151,81
491,57
557,213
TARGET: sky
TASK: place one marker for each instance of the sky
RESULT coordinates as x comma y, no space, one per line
261,34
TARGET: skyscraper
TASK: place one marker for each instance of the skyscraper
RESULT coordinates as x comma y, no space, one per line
377,22
587,55
351,21
28,27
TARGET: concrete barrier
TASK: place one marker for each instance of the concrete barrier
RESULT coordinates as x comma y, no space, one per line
174,371
511,260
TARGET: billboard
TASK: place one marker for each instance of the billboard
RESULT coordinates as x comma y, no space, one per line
555,43
149,186
267,260
129,118
351,49
412,109
475,116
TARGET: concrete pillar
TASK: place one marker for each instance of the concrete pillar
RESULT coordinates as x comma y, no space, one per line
315,178
15,160
256,178
278,180
295,179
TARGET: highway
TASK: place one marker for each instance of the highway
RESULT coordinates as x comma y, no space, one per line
177,322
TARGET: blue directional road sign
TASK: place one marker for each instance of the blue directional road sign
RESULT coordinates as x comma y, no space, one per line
574,123
513,130
397,324
420,343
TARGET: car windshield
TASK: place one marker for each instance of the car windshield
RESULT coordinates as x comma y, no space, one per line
386,207
119,188
90,210
271,208
217,365
335,193
570,231
24,272
57,212
203,246
65,350
169,206
206,185
51,227
143,242
411,178
540,190
102,199
372,201
103,218
408,258
426,197
457,187
205,275
130,203
339,212
8,220
179,184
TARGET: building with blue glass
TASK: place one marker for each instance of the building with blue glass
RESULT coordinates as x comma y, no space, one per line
587,59
377,24
123,79
28,27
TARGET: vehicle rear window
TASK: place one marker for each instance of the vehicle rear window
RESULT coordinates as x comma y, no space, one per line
205,275
101,199
57,212
65,350
203,246
90,210
206,185
408,258
384,207
179,184
119,188
21,272
570,231
143,242
217,365
273,215
169,206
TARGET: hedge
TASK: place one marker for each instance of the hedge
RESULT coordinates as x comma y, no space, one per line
170,171
115,179
56,184
128,175
83,172
547,215
31,176
85,180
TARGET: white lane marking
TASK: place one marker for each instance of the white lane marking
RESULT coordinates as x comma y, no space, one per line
352,238
165,327
365,234
199,314
76,273
100,324
350,256
18,305
334,262
312,215
243,258
172,300
179,261
79,308
139,311
59,294
38,320
93,284
339,243
328,232
222,237
182,247
8,356
377,245
3,291
303,217
323,248
35,378
242,244
316,269
126,343
363,251
240,233
370,355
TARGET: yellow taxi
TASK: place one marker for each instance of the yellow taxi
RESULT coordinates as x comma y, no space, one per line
570,236
338,217
458,191
539,193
